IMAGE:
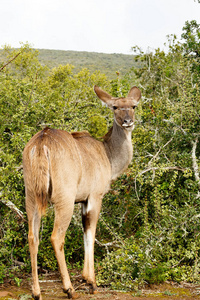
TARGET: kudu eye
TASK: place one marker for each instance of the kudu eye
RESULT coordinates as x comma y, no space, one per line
115,107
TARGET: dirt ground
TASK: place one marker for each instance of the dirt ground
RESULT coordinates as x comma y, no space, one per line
51,288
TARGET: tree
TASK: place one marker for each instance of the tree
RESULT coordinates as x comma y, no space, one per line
160,194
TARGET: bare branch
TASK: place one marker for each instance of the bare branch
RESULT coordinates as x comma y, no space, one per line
159,168
10,61
177,126
156,155
175,168
194,161
106,245
19,168
12,206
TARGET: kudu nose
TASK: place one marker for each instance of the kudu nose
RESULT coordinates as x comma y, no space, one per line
127,122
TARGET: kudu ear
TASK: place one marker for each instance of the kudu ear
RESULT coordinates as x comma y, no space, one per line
134,93
105,97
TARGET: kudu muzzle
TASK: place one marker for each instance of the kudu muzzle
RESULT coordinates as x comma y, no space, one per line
127,121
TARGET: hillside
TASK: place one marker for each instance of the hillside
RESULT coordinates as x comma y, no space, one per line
106,63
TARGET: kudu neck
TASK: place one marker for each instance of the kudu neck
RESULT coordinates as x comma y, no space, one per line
119,149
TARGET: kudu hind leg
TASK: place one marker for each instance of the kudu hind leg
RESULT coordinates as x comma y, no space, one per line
34,218
90,216
63,215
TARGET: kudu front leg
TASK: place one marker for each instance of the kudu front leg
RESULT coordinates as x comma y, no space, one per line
90,216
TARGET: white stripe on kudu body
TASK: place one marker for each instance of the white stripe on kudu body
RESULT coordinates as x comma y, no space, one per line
68,168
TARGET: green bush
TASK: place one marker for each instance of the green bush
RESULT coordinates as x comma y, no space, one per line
123,268
97,126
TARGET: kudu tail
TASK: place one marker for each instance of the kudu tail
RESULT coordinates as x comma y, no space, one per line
40,167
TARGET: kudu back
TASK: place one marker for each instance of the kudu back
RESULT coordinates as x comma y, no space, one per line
68,168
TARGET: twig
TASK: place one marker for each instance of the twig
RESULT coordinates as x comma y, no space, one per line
165,168
105,244
194,161
156,155
82,284
49,280
10,61
12,206
154,169
19,168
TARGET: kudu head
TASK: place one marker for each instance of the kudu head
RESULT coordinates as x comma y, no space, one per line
123,108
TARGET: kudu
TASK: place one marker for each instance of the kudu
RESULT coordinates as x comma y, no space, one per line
69,168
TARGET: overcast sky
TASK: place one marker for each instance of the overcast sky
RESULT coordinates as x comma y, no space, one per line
109,26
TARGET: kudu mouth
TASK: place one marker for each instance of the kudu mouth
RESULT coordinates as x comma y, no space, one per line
128,124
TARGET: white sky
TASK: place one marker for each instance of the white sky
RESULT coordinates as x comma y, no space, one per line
109,26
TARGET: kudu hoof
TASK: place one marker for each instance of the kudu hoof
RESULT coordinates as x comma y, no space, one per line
38,297
93,289
71,294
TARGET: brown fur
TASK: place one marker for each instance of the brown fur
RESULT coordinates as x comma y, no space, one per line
68,168
79,134
108,135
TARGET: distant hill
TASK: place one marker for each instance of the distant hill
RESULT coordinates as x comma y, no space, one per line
106,63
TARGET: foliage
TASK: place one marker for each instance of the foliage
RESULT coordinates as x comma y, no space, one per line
123,268
97,126
191,36
148,230
157,201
